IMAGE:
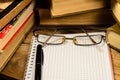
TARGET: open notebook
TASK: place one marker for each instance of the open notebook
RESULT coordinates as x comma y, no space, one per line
71,62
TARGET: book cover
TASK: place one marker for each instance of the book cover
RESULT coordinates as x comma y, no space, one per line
115,6
4,5
62,8
7,6
113,36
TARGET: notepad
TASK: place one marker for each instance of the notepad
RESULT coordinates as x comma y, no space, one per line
70,62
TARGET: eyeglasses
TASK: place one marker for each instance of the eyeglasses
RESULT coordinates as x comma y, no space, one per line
83,40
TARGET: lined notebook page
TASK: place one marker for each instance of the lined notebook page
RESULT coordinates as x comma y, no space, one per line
71,62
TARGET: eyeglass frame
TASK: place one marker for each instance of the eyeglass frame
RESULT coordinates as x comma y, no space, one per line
73,38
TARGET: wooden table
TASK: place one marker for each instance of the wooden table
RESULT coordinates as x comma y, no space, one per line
16,66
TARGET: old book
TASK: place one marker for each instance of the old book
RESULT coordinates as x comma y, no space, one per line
97,17
7,6
8,27
14,37
16,26
14,12
65,7
113,32
113,36
4,5
115,6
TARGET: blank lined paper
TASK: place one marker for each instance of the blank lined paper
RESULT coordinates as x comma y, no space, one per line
71,62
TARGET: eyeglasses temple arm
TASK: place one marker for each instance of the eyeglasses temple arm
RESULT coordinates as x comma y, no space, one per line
45,43
88,36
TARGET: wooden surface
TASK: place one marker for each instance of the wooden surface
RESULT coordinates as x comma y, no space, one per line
16,66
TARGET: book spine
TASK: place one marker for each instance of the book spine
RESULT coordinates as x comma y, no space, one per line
24,15
5,31
17,31
14,12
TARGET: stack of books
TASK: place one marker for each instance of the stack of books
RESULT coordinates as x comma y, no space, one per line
74,12
16,19
113,32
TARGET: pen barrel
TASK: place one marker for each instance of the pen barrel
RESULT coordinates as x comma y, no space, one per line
38,72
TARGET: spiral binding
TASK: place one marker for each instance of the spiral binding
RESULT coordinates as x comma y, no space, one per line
30,65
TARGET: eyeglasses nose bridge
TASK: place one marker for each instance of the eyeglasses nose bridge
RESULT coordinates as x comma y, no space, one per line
74,40
63,39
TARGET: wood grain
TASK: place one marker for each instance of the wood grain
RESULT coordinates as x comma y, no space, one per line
116,63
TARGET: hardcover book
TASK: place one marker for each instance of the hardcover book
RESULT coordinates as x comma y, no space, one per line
113,32
66,7
115,6
113,36
7,6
